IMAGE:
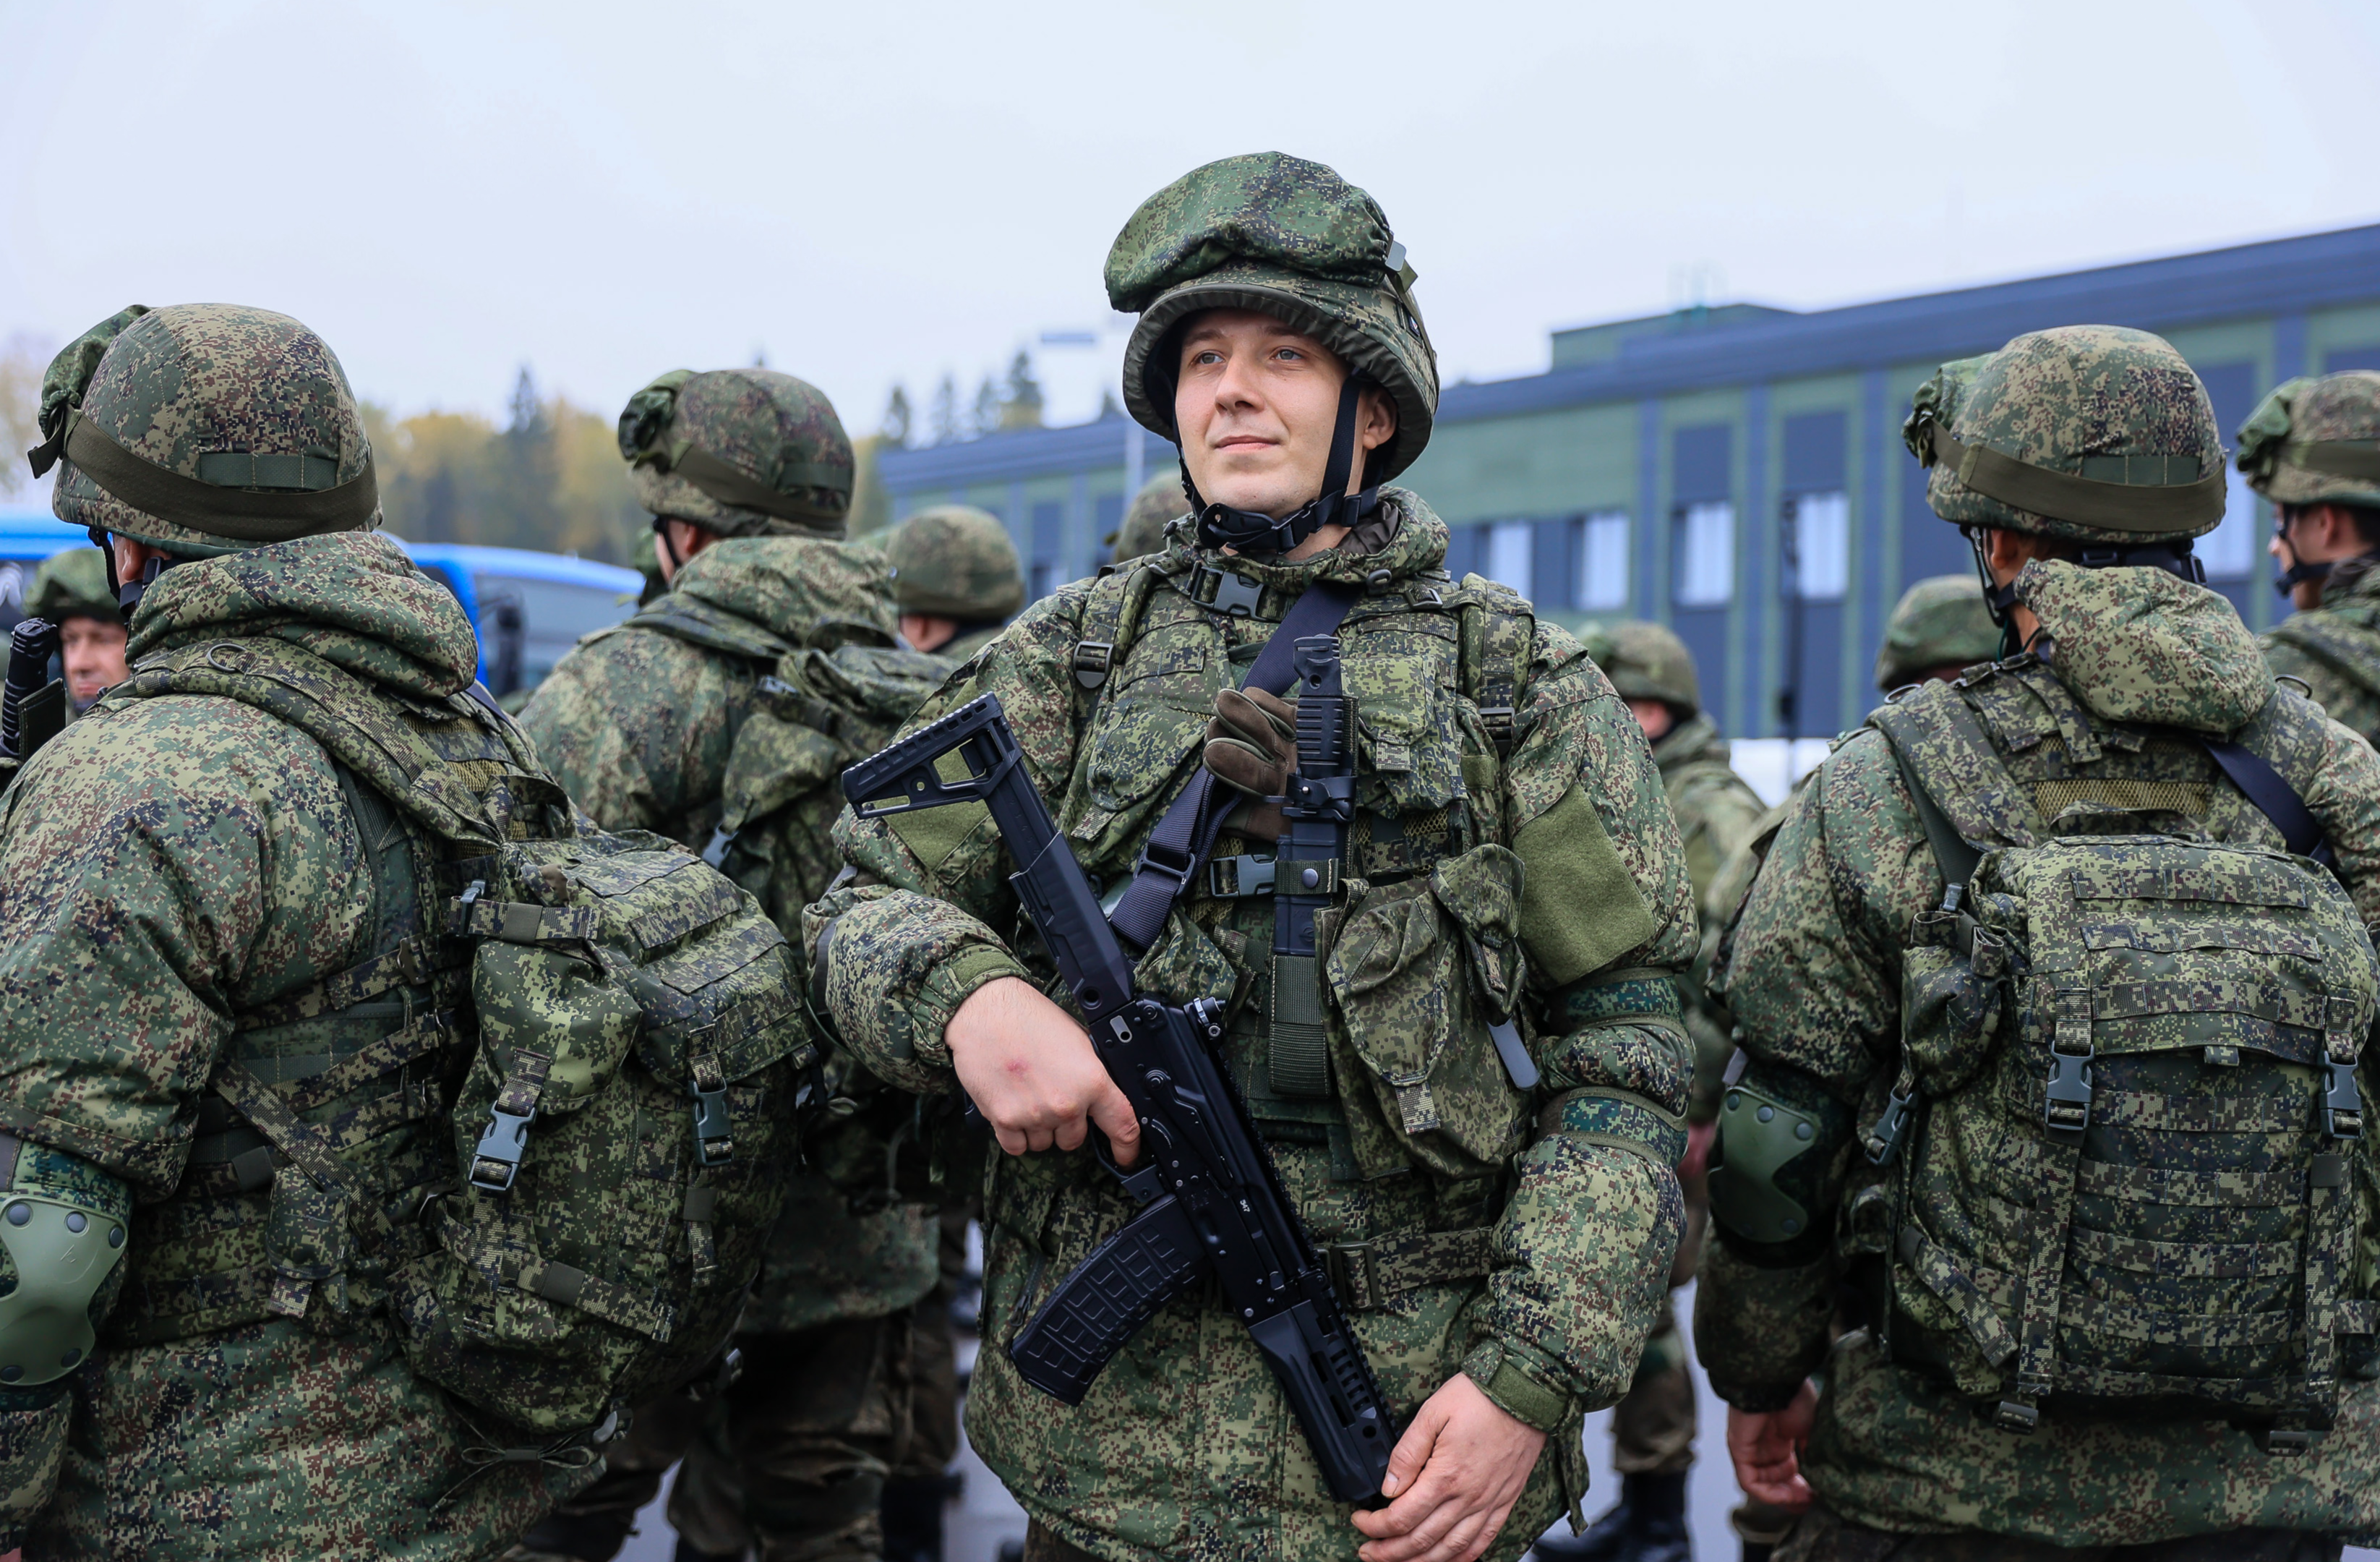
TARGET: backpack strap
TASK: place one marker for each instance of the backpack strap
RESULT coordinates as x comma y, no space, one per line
1499,633
1111,622
2273,795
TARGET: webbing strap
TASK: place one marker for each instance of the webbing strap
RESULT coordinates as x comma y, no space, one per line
294,1137
410,963
1953,854
2273,795
2329,1250
2194,1261
1187,831
2059,1165
1368,1274
1933,1265
1298,1054
525,1269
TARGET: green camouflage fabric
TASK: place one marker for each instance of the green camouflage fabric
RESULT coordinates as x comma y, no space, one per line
174,861
2334,649
640,723
1942,621
72,585
1288,239
1142,530
2312,441
1185,1446
1718,813
184,386
955,561
1647,660
2091,730
779,436
2118,408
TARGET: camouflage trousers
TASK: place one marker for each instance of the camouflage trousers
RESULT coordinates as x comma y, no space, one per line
1823,1537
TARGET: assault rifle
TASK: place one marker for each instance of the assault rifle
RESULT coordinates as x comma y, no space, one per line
1211,1203
33,704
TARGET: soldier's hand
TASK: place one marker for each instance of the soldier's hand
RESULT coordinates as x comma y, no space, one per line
1252,741
1453,1479
1766,1449
1031,1072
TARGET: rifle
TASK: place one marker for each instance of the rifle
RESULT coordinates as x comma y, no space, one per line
33,704
1210,1199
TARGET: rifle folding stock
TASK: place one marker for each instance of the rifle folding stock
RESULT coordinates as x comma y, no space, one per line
1211,1204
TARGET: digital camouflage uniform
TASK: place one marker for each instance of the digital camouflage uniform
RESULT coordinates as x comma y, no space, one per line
1156,507
2095,727
2315,442
1717,814
956,562
1942,621
184,871
641,723
1521,1238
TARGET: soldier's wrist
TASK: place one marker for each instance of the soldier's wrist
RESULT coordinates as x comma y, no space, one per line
1520,1386
952,984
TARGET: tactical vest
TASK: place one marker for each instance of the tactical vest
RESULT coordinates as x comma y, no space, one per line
540,1131
1388,1063
2345,640
2125,1163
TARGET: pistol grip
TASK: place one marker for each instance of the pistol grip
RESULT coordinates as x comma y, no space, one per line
1156,1257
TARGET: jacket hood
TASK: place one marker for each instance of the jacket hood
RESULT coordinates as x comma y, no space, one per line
1695,740
350,597
2142,645
790,585
1406,538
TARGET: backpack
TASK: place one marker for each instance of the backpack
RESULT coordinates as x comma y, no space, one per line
2124,1160
626,1125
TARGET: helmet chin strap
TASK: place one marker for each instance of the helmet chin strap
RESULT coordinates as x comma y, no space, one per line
2174,558
127,593
1221,526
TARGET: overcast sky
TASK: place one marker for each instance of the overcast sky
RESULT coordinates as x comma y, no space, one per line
883,192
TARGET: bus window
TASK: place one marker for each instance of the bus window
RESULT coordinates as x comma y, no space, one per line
553,613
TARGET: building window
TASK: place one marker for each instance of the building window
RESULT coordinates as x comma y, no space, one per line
1818,534
1705,557
1603,562
2229,551
1508,545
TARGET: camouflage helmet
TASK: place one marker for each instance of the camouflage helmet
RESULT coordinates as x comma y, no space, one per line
738,452
204,429
1294,240
2313,442
2094,433
1647,660
72,585
1942,621
955,561
1142,530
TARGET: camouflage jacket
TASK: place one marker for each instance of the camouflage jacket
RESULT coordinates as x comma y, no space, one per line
639,725
1184,1445
2336,649
173,862
1718,814
1813,978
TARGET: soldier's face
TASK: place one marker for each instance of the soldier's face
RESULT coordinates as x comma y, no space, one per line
1255,404
93,654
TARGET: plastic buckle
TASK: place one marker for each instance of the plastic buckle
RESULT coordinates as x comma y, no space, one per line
458,919
1884,1140
1352,1278
2287,1442
1177,876
2011,1415
1231,878
2066,1111
495,1160
1235,596
1092,661
2342,1103
714,1134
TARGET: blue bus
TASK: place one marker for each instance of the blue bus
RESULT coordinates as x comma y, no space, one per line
528,608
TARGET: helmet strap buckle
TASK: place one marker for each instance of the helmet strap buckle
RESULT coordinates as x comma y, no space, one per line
1221,525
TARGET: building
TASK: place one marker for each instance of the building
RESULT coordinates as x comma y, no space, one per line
1737,471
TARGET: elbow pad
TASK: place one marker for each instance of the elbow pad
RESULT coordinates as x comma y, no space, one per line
63,1227
1778,1166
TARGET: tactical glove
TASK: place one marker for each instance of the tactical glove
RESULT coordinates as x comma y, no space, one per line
1252,741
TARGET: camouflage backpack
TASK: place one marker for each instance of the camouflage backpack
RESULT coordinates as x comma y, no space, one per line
2124,1151
822,704
624,1128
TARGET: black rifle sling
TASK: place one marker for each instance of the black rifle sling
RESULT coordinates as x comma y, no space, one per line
1190,823
2272,793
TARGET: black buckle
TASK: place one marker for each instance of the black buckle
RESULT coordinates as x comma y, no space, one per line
458,916
1884,1140
495,1160
2011,1415
2066,1111
1093,660
714,1135
2342,1103
1235,596
1231,878
1352,1278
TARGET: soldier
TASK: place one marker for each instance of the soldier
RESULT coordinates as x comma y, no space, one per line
956,577
70,591
1502,1250
2312,448
747,473
1142,530
2052,1358
193,900
1939,629
1717,814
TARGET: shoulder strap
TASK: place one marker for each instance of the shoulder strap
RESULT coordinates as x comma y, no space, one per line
1110,620
1187,831
2273,795
1953,853
1497,638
